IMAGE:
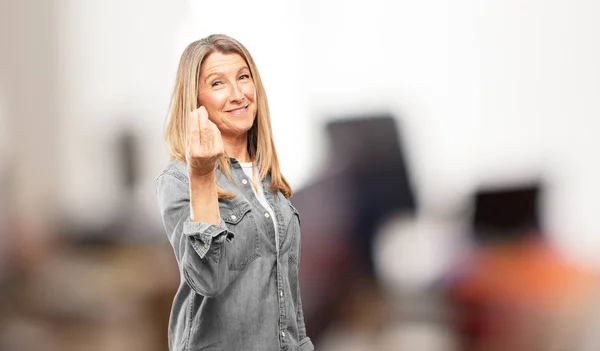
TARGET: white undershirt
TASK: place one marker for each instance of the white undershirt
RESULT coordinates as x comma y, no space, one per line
247,167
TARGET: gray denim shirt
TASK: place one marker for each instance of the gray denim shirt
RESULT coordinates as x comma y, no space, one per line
237,290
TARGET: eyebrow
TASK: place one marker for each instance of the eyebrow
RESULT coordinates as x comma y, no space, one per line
212,74
221,73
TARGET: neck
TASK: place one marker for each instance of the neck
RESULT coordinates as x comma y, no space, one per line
236,147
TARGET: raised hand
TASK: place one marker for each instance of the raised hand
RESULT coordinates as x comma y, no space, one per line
204,144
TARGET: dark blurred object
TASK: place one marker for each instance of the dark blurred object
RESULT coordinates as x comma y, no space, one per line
506,214
512,290
376,164
129,156
130,221
374,151
364,181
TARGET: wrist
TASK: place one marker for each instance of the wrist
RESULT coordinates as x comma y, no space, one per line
202,185
200,177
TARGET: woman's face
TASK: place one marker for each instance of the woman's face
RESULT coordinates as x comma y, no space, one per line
226,90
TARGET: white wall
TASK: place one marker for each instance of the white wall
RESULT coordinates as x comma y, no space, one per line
486,90
116,68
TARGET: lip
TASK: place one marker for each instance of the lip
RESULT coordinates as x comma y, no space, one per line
239,109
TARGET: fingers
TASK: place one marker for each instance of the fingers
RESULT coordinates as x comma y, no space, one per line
193,127
204,139
216,137
202,116
197,123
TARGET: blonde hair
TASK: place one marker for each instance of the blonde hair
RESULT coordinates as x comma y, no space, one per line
184,100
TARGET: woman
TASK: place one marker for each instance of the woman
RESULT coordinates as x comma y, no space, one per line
226,210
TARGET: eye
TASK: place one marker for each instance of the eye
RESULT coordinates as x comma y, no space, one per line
245,76
216,83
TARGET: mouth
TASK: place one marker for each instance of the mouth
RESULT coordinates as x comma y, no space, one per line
239,109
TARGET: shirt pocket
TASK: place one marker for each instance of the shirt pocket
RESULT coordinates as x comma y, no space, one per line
245,247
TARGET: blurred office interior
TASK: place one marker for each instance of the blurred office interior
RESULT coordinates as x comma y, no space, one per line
443,156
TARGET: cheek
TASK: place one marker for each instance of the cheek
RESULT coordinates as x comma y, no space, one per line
213,101
250,91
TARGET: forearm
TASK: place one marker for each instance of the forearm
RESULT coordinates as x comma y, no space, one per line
204,199
209,275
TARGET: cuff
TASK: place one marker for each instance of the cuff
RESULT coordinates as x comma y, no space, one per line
306,345
206,234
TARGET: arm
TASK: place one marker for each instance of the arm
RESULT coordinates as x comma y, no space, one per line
305,342
204,202
300,312
198,245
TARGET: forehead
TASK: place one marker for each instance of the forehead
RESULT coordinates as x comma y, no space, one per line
219,62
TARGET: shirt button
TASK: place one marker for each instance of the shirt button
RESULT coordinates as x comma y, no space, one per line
233,217
283,334
280,293
244,181
267,214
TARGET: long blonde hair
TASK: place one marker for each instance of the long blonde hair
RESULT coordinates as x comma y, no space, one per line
184,100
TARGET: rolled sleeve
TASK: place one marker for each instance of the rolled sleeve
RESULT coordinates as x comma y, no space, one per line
205,235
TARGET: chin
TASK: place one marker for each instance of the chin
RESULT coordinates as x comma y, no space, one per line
243,126
236,129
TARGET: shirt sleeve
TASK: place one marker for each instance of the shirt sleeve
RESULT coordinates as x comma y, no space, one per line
198,246
305,342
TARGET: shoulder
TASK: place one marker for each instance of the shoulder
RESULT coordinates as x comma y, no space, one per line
172,187
172,183
174,170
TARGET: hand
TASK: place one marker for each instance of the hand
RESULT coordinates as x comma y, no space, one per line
204,144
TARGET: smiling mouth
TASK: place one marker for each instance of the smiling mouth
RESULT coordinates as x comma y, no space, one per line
239,109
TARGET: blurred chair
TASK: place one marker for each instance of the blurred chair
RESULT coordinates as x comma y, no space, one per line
366,179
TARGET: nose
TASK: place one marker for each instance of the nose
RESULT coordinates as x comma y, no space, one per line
236,95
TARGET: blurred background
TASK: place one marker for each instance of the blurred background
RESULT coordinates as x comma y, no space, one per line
443,156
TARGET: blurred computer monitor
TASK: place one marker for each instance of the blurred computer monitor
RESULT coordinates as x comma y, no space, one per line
506,214
372,145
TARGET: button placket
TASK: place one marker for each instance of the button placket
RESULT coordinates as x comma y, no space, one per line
280,283
277,220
